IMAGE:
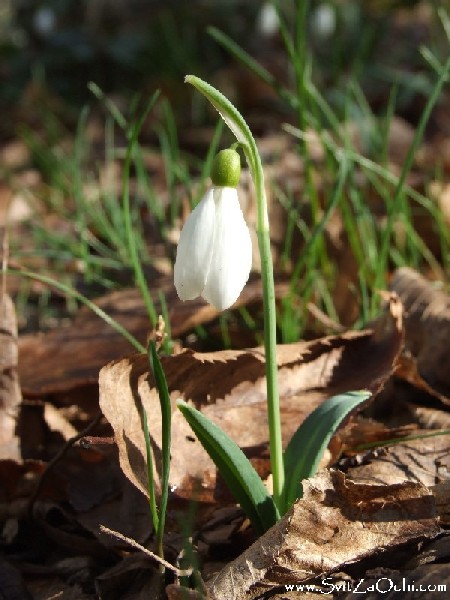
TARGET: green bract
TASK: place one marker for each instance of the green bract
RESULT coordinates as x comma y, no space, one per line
226,168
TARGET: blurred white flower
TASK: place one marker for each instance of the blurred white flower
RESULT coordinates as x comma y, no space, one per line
324,20
214,254
267,20
44,21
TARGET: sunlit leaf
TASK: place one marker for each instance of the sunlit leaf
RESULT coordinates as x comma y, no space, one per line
239,474
309,442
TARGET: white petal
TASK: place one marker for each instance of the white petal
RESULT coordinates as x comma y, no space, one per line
232,251
195,249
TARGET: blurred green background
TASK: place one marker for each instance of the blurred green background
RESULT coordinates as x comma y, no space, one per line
126,46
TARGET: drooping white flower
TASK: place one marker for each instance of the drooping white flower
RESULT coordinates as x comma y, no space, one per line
214,254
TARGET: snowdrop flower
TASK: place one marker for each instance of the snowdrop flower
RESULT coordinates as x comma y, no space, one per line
267,20
214,254
324,20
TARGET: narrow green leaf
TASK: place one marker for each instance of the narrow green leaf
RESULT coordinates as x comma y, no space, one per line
139,276
150,480
166,421
239,474
309,442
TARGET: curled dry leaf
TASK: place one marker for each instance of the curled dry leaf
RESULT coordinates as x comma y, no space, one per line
229,388
10,394
427,329
337,522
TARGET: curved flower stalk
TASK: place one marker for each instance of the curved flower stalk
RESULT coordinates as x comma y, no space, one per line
241,131
214,254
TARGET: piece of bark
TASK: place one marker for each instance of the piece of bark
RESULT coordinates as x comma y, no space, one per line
10,394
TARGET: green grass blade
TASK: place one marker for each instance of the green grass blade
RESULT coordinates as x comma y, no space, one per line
73,294
166,420
239,474
109,105
395,204
309,442
127,220
319,228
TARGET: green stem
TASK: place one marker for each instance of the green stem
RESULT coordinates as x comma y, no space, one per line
270,338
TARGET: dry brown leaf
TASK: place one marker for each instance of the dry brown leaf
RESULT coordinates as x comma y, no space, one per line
337,522
415,578
425,460
363,431
135,578
71,357
430,417
10,394
176,592
113,502
53,587
407,369
60,526
441,493
427,327
229,387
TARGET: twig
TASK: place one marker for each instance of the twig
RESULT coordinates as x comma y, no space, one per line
134,544
88,441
